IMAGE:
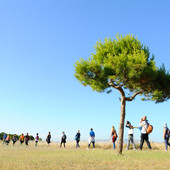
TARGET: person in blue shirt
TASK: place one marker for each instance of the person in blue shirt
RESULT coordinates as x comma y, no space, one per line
77,138
4,137
91,138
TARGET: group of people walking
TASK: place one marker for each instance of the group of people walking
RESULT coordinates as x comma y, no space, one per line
77,139
26,139
22,139
63,139
143,126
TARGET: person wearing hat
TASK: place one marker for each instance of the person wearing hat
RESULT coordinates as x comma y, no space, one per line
166,136
130,135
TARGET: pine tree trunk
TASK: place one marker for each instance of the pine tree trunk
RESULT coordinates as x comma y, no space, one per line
121,125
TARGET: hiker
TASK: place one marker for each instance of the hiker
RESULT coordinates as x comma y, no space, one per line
4,137
48,139
36,139
22,138
27,138
7,140
130,135
77,138
15,138
144,135
166,134
91,138
113,136
63,139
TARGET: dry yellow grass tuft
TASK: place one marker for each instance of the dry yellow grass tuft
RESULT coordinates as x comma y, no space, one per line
103,157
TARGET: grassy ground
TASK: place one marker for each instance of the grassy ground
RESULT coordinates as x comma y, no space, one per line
103,157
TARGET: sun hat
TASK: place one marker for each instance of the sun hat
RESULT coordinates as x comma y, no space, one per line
165,125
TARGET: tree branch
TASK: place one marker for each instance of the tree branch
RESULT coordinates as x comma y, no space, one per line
111,83
132,97
118,87
114,85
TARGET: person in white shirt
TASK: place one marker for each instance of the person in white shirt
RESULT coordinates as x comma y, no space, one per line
36,139
130,135
144,135
91,138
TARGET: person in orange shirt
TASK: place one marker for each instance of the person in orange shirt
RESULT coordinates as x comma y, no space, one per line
22,138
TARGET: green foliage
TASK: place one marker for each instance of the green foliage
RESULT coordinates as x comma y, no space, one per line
1,135
31,137
123,62
161,85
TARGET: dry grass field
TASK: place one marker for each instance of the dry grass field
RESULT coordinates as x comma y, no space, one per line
103,157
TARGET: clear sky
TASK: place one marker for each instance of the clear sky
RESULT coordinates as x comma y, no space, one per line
39,44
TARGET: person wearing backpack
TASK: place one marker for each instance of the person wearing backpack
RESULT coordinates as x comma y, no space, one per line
113,136
77,138
166,134
27,138
36,139
48,139
144,135
15,138
130,135
63,139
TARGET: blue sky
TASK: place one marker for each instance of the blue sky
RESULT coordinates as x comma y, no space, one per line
39,44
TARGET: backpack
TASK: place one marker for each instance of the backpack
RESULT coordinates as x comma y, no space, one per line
114,137
168,132
64,137
149,129
76,138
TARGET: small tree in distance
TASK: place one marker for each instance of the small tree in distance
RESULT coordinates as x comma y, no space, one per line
124,64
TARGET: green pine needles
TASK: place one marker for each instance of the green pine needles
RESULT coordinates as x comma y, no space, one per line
127,63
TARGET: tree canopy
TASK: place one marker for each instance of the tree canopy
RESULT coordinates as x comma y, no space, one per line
127,63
